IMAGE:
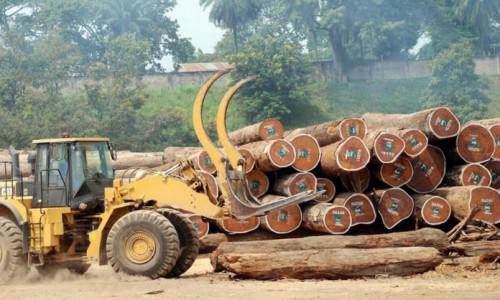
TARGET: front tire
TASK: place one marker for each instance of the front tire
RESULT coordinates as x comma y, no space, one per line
12,260
143,243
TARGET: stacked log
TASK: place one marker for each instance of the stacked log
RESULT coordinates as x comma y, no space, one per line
493,126
326,185
237,226
295,183
266,130
475,143
201,226
211,182
272,155
357,181
494,167
307,150
132,160
415,141
258,183
249,160
327,218
331,132
283,220
385,147
431,210
393,205
395,174
360,207
345,156
470,174
429,169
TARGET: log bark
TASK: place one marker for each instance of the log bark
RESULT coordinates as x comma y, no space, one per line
385,147
258,183
325,184
395,174
475,143
429,170
494,168
331,263
437,123
431,210
494,126
327,218
394,206
470,174
173,155
130,160
292,184
269,129
331,132
209,243
236,226
360,207
348,155
464,198
357,182
283,220
308,152
272,155
478,248
415,141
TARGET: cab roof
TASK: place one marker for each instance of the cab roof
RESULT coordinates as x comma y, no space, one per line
70,140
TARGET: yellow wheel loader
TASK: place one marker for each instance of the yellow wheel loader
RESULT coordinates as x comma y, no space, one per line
73,212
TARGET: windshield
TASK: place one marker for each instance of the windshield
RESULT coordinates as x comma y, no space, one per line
91,161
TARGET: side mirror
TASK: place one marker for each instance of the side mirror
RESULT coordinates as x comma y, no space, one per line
114,153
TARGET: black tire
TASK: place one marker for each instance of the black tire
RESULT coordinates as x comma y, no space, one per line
12,260
189,242
151,231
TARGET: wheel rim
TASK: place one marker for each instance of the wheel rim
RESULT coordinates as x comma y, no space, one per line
140,247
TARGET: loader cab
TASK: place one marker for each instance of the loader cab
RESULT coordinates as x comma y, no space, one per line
73,173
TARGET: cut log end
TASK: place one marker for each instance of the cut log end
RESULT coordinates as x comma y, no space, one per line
258,183
396,174
353,127
443,123
360,207
432,210
415,142
281,153
476,174
348,155
388,147
213,187
429,170
271,129
475,143
283,220
203,162
488,201
327,218
308,152
202,227
357,182
494,168
293,184
394,206
325,184
237,226
249,160
495,131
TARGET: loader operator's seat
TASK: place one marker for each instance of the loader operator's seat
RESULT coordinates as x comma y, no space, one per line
72,173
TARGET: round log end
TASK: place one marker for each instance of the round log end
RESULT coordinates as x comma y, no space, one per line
281,153
308,152
415,142
495,131
494,168
337,220
283,220
213,186
352,154
435,211
249,159
237,226
361,209
394,206
443,123
429,169
271,129
302,182
476,174
357,182
203,162
258,183
475,143
202,227
397,173
325,184
488,202
388,147
352,127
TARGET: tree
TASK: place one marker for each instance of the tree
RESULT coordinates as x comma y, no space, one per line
455,84
232,14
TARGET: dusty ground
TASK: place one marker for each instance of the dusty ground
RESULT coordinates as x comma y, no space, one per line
200,283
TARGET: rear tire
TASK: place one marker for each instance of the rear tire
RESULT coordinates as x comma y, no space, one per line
143,243
189,242
12,259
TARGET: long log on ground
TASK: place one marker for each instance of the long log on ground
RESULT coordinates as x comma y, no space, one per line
331,132
258,183
475,143
272,155
360,207
127,160
436,123
348,155
269,129
470,174
429,170
494,126
385,147
292,184
327,218
331,263
464,198
283,220
415,141
431,210
236,226
395,174
308,152
325,184
477,248
394,206
357,182
210,242
494,168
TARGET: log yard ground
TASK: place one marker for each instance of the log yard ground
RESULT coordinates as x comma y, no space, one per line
448,281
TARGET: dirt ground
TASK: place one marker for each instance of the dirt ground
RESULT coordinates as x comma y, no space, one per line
200,283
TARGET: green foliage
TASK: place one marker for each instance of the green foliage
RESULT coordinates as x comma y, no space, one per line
455,84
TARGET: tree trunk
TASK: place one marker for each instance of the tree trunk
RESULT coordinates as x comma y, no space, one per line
330,132
325,184
357,182
270,129
360,207
415,141
464,198
431,210
494,167
471,174
283,220
394,206
475,143
429,169
272,155
308,152
258,182
327,218
436,123
395,174
384,146
292,184
348,155
339,52
330,263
